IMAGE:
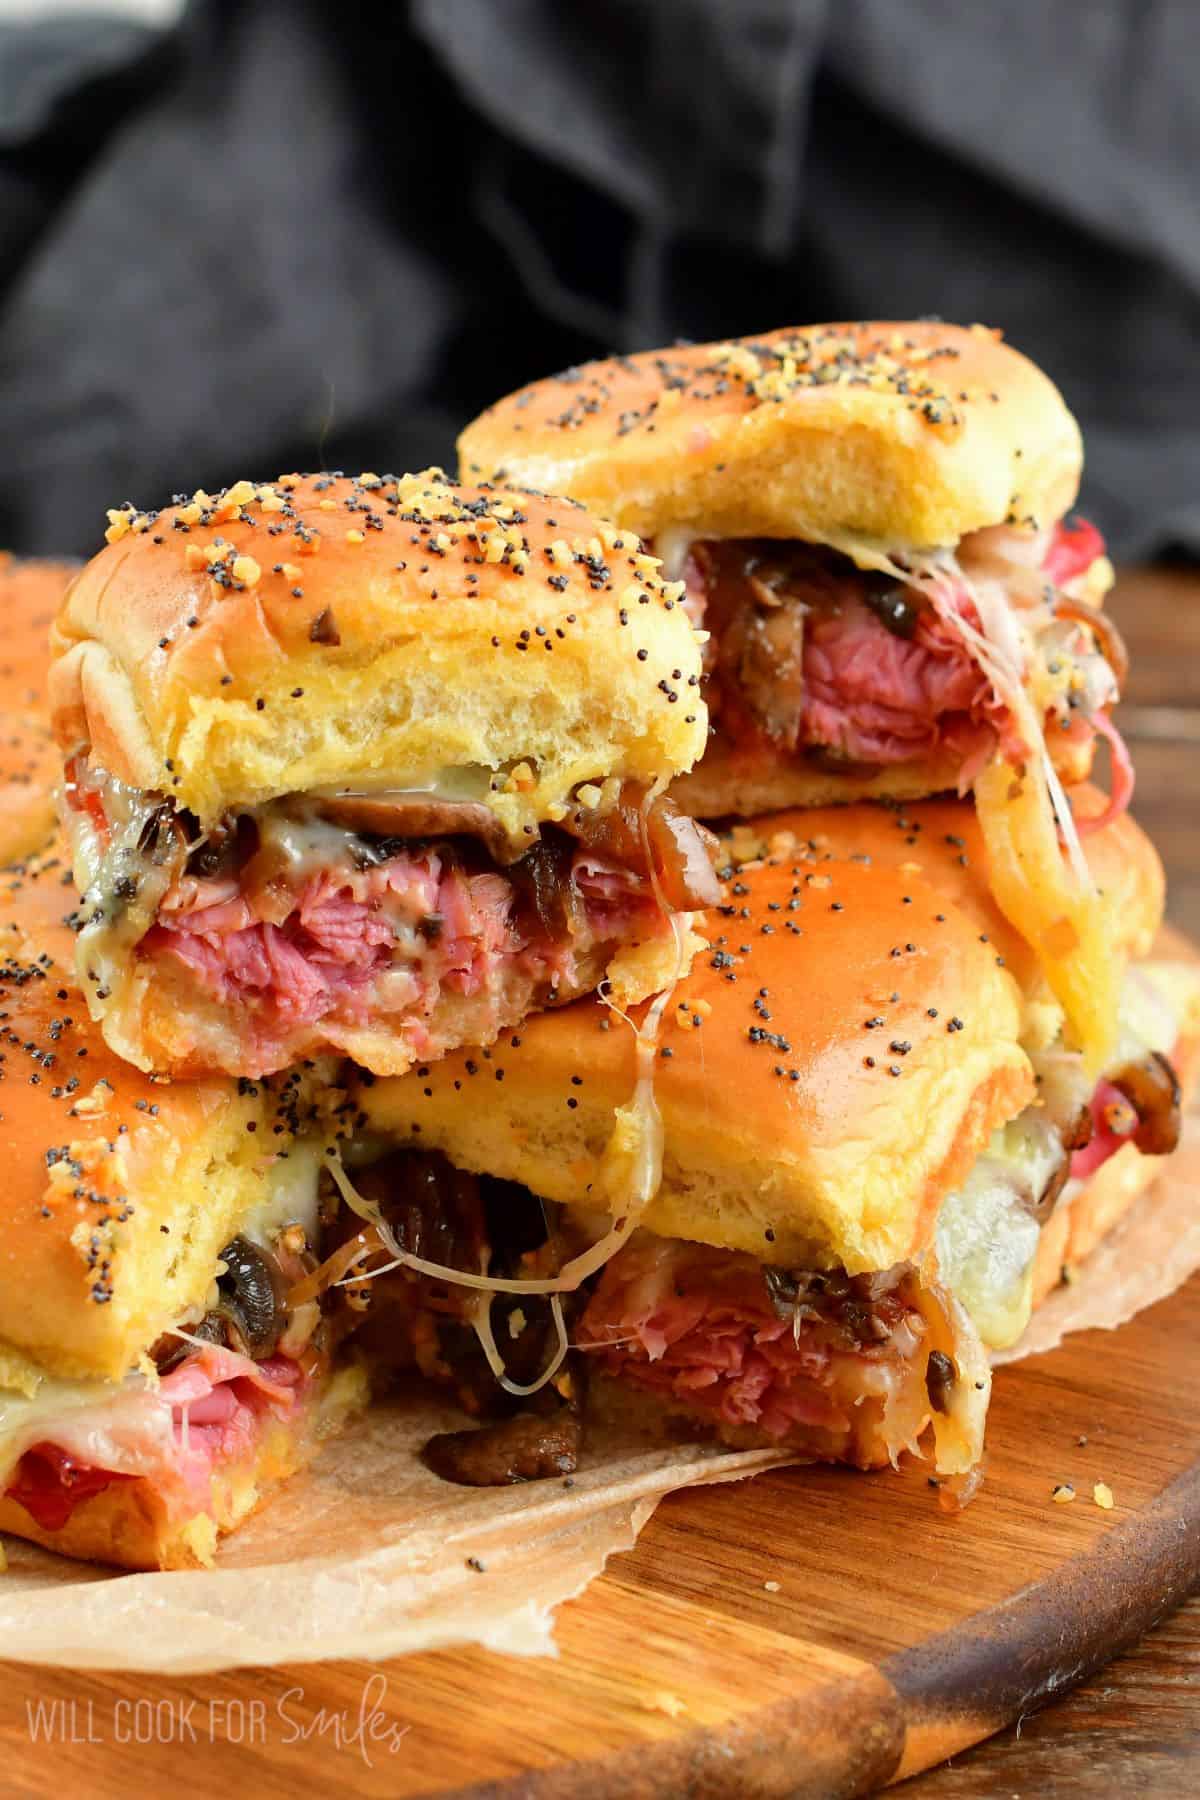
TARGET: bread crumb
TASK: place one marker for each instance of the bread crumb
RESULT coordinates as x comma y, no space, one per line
663,1702
772,1587
1063,1492
1102,1494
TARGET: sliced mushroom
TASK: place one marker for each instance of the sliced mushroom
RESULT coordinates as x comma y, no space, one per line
251,1298
1151,1088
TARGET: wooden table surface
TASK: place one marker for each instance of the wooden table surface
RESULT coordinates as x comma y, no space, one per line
1136,1725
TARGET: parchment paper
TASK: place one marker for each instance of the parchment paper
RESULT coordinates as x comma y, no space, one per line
367,1554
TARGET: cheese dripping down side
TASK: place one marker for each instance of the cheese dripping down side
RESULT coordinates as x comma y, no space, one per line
1047,896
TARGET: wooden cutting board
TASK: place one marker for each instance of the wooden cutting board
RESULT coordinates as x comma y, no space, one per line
808,1632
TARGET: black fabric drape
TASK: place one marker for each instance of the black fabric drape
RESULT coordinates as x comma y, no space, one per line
287,232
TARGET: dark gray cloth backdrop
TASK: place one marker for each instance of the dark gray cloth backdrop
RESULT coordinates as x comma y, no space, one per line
290,232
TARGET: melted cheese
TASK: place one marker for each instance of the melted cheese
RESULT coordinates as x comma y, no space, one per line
123,1425
1039,893
986,1236
304,845
472,782
115,923
1049,898
671,546
291,1198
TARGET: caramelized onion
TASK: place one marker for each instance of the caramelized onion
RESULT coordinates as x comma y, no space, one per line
544,876
677,847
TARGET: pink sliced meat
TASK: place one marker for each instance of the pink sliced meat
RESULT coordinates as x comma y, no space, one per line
1073,550
696,1326
218,1402
880,698
322,953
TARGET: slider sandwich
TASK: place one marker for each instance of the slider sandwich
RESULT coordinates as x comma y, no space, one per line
29,765
871,523
373,766
30,595
876,1150
161,1367
31,592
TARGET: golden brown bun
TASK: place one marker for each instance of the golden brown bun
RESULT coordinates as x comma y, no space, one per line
118,1191
941,840
29,767
910,435
743,783
128,1523
274,639
30,596
828,1072
1077,1225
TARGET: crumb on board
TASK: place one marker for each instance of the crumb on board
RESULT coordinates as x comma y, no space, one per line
1062,1493
1102,1494
664,1702
772,1587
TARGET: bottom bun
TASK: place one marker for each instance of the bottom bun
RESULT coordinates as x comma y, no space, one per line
730,783
131,1525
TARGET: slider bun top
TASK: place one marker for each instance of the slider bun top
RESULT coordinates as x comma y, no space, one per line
118,1192
31,593
30,596
322,631
941,841
29,767
828,1071
908,435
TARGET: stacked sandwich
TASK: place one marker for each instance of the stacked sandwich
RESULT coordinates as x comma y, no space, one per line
926,1059
413,1028
350,769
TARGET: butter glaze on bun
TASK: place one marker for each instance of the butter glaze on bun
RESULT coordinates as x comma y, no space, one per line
941,841
835,1062
30,596
321,631
909,435
31,593
29,767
